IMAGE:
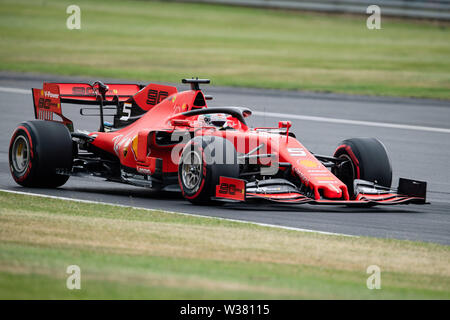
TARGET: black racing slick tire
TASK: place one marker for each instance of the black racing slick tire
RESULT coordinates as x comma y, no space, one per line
37,150
367,160
203,161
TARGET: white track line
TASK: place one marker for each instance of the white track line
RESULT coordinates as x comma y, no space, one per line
172,212
350,122
15,90
308,118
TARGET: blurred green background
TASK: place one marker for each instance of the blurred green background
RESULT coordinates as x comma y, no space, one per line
234,46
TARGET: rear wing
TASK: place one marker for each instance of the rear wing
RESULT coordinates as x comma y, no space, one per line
47,101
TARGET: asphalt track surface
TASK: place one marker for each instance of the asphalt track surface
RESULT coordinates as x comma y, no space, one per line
416,133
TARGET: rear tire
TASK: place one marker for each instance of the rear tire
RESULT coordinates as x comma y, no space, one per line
203,161
368,160
36,150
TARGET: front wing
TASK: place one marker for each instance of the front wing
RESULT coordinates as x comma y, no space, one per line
282,191
362,200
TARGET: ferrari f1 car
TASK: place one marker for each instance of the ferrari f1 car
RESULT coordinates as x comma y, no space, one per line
164,139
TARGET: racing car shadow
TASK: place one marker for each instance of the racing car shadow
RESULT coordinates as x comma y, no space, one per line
318,208
131,192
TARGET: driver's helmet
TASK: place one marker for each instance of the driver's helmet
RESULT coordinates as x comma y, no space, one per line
218,120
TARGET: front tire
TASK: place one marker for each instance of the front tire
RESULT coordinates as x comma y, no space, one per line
37,149
203,161
367,160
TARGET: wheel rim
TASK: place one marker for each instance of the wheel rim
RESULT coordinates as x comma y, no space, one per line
191,170
20,154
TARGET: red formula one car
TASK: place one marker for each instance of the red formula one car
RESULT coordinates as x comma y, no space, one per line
164,139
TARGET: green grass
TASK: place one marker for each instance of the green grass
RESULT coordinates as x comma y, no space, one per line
155,41
128,253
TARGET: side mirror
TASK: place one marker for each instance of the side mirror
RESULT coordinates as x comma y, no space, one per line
284,124
287,125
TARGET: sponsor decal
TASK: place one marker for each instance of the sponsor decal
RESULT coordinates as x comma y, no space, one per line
48,94
154,96
120,141
325,178
116,141
308,163
46,101
143,170
81,91
231,188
